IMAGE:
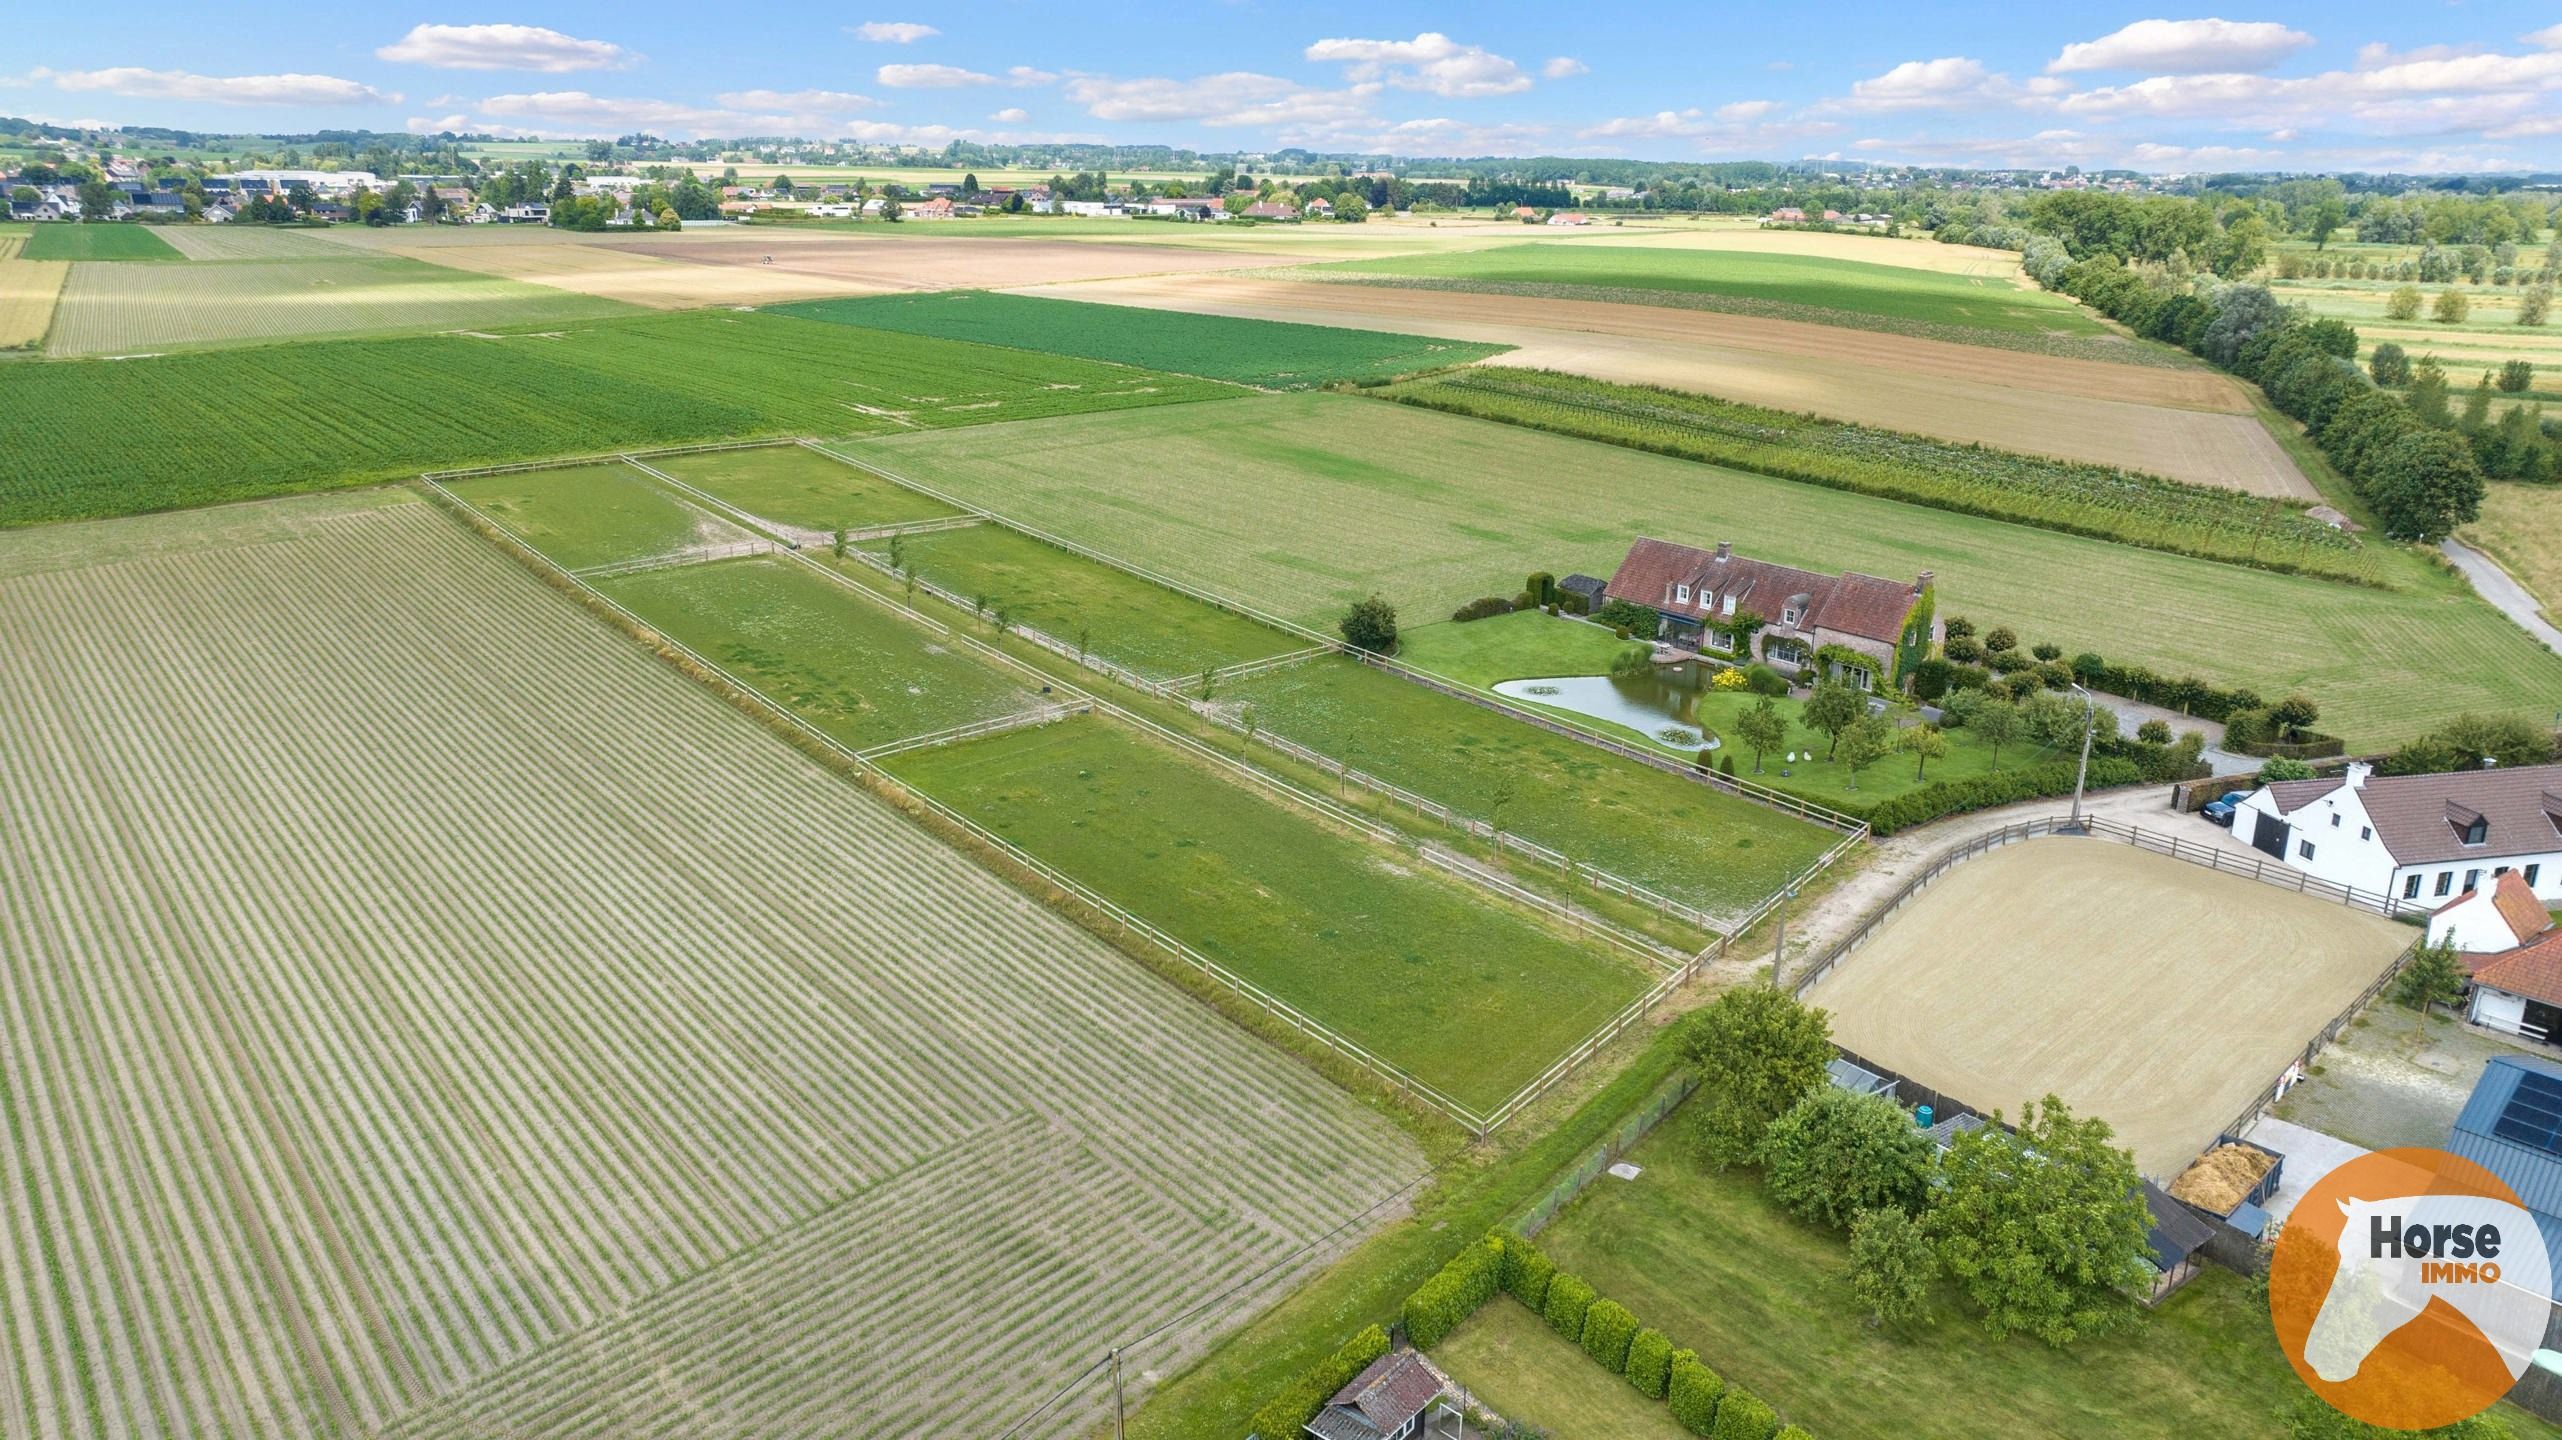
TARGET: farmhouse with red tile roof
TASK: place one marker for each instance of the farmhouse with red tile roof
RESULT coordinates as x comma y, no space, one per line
1698,594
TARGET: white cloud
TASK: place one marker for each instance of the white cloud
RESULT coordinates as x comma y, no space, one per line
503,47
1566,67
1663,124
815,113
2184,47
1239,97
1011,115
1430,62
953,77
802,102
892,32
2533,127
2548,38
138,83
1931,84
1743,110
1738,128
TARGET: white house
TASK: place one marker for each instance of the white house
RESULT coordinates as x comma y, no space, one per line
2419,839
2500,916
2513,953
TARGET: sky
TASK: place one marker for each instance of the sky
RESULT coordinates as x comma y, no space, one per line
2414,85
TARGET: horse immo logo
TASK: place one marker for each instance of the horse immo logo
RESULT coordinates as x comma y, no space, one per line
2410,1288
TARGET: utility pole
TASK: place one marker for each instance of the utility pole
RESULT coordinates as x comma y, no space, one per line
2090,719
1779,950
1120,1411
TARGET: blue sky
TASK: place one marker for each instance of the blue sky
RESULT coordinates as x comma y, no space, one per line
2353,84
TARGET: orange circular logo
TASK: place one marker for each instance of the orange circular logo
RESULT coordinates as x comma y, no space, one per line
2410,1288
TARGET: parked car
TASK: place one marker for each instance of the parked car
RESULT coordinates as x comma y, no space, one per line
2219,811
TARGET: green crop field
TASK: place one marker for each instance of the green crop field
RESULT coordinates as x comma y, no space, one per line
1888,292
490,1032
1266,353
237,241
1690,841
1300,504
794,486
846,663
1422,969
102,241
349,411
119,309
1120,617
588,515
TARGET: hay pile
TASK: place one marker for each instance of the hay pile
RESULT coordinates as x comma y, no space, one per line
2222,1178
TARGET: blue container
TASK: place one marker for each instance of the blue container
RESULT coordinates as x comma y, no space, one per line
1921,1114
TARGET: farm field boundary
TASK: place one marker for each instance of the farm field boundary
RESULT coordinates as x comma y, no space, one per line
1672,971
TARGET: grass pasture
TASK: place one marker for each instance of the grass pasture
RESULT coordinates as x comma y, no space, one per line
1512,1362
1707,1258
1690,841
114,309
101,241
1124,619
2521,527
1268,354
2155,994
844,662
791,485
584,516
1471,997
1796,283
345,412
1301,504
492,1033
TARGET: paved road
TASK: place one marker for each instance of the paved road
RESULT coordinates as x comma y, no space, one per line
2504,593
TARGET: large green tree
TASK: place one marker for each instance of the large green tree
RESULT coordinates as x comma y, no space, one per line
1835,1154
1764,727
1757,1052
2044,1228
1832,709
2425,485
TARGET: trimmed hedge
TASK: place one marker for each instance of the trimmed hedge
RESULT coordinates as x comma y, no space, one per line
1607,1329
1694,1392
1649,1362
1526,1273
1487,608
1743,1415
1454,1293
1298,1403
2001,787
1569,1298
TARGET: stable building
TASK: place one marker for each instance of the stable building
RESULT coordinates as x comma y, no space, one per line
2419,840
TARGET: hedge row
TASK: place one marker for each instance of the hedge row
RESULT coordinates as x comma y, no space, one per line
1454,1293
1289,1412
1699,1398
2001,787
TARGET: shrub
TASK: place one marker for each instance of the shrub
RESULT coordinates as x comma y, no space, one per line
1762,680
1964,649
2047,650
2517,376
1541,587
2001,638
1370,625
1525,601
1794,1432
2054,675
1649,1363
1486,608
1633,663
1692,1390
2284,768
2248,727
2010,662
1527,1270
1931,677
1298,1403
1835,1154
1958,627
1569,1298
1743,1415
1607,1329
2002,787
1453,1294
1626,615
1729,678
2154,732
1726,766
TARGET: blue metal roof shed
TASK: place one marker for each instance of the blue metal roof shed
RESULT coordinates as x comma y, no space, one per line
2512,1127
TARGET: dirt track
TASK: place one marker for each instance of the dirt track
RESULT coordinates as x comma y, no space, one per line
2156,994
2190,425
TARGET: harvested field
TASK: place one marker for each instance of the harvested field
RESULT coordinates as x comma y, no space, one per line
2188,424
616,272
490,1032
2150,992
2521,527
28,291
859,266
108,309
1301,504
1470,996
1898,251
252,242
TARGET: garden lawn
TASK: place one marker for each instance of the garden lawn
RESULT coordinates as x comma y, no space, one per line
1708,1260
1272,354
1691,841
797,486
1893,292
844,662
1522,1370
101,241
1118,616
1473,998
584,515
1301,504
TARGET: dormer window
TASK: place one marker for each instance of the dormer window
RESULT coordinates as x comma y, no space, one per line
1791,615
2478,832
1681,594
2470,825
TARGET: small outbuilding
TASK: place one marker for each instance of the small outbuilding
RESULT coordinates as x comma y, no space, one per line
1387,1401
2174,1233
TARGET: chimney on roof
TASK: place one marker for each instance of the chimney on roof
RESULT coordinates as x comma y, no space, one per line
1922,582
1725,549
2357,772
2490,762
